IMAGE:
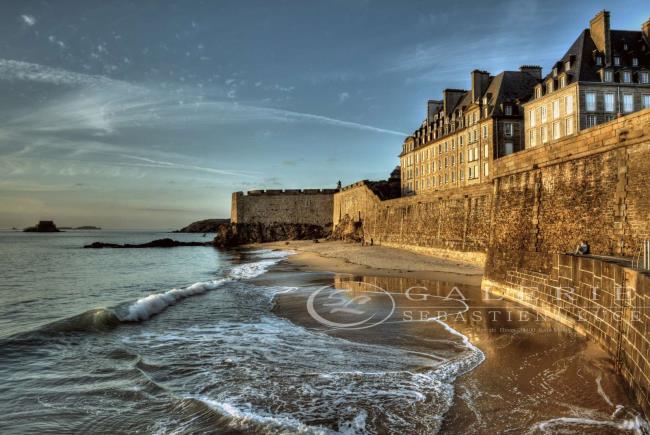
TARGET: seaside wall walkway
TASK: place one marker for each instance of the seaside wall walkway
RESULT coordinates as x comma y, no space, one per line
540,203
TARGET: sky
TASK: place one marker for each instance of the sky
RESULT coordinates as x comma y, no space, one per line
148,114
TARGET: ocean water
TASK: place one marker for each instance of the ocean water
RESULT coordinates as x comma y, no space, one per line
184,340
198,340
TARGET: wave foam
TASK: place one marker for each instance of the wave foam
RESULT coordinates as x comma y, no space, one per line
155,303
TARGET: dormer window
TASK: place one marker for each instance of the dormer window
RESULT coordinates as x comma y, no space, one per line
635,61
567,65
608,76
627,77
599,60
549,86
562,81
538,92
508,110
555,72
625,46
617,61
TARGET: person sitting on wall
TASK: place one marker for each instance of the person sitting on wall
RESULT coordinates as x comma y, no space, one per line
583,248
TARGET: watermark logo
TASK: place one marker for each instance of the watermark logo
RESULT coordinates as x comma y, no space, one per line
345,309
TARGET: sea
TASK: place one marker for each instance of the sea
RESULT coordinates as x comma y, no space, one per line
201,340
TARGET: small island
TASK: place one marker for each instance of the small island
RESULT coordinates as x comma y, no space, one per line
43,227
204,226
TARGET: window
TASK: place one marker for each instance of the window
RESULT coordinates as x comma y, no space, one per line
508,128
485,151
643,77
531,116
509,148
508,110
591,120
556,109
617,61
599,60
568,103
485,169
628,103
567,65
538,92
543,113
608,76
460,158
562,81
646,101
568,128
635,61
556,130
461,175
460,140
609,102
532,138
485,132
590,99
544,134
627,77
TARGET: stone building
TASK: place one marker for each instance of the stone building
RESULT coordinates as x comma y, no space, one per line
466,130
603,75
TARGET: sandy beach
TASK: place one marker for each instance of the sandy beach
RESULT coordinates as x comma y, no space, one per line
352,258
535,376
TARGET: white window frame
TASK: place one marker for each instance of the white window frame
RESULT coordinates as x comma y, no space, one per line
608,76
544,113
532,137
645,101
627,77
568,104
557,131
592,121
544,134
617,60
609,102
644,78
508,129
568,126
590,101
628,103
635,61
556,109
531,117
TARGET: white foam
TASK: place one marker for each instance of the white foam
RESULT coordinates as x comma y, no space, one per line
242,420
155,303
637,424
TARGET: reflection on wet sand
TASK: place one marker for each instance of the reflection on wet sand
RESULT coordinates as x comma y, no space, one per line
537,375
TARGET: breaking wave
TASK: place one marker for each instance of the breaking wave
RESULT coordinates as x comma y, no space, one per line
104,319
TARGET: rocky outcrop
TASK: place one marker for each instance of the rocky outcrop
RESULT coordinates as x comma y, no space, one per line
239,234
348,230
204,226
43,227
160,243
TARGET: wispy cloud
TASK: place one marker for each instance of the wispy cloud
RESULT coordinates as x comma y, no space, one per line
28,20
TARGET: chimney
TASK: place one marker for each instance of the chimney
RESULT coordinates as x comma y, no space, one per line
533,70
433,107
645,29
480,81
599,30
450,99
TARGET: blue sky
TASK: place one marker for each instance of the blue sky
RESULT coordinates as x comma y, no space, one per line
148,114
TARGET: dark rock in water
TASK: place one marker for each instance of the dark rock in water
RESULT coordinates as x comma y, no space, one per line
160,243
43,227
204,226
240,234
87,227
348,230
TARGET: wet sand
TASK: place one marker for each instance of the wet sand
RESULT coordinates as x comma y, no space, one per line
537,375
